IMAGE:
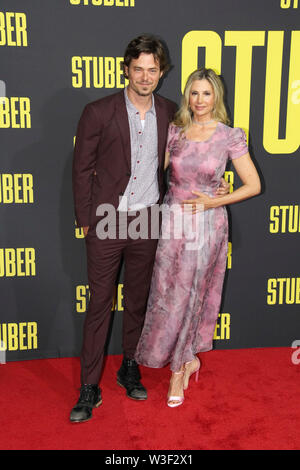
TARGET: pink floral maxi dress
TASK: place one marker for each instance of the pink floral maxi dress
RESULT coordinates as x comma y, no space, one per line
190,263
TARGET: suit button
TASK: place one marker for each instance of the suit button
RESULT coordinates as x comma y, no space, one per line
121,194
128,174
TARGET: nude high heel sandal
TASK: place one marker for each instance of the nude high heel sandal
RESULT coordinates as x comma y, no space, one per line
174,401
188,372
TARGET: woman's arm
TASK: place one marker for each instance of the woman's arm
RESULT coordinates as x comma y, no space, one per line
251,187
251,182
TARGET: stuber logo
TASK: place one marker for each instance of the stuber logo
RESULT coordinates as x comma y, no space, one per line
296,354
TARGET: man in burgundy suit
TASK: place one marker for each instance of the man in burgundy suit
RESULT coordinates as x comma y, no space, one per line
119,160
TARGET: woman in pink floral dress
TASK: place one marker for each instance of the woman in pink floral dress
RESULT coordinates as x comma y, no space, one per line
190,262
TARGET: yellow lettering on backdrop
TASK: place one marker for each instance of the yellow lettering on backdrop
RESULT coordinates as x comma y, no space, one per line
285,219
15,113
22,336
271,297
271,142
107,3
289,3
17,262
293,226
274,219
16,188
109,72
82,297
244,41
222,328
229,256
12,333
78,231
97,72
283,290
229,177
190,45
13,29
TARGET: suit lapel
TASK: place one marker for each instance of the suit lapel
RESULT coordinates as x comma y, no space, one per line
162,127
123,123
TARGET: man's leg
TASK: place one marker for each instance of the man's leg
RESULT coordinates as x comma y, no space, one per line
103,262
139,256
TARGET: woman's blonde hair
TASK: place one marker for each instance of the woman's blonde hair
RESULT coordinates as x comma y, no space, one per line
184,115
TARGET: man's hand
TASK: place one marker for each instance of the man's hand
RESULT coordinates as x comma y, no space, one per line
223,189
85,230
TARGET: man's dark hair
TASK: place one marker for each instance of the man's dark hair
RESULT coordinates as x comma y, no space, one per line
147,44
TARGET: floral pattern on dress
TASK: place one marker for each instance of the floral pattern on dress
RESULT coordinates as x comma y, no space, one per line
190,263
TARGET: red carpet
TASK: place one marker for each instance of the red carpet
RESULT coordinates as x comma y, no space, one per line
245,399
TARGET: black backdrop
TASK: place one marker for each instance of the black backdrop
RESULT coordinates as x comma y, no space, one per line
57,55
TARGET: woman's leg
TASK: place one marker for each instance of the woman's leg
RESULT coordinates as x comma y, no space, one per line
175,393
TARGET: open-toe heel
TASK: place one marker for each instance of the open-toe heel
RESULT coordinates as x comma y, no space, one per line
174,400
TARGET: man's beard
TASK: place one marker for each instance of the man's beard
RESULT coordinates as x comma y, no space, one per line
142,92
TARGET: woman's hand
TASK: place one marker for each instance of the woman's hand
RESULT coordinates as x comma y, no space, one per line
203,201
198,204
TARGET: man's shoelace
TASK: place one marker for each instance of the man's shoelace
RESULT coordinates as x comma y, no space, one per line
86,395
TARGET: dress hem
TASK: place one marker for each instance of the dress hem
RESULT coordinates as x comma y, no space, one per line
165,363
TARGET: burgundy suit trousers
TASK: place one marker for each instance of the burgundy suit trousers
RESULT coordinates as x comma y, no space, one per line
103,262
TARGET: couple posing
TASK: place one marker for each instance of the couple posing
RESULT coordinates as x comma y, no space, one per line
172,286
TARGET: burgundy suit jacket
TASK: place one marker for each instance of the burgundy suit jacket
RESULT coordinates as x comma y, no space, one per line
102,155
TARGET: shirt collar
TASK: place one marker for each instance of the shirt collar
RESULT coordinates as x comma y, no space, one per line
131,108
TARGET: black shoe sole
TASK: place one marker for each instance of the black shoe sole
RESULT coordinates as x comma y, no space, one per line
88,419
132,398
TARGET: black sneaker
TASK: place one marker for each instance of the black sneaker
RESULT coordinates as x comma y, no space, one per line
90,397
128,377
